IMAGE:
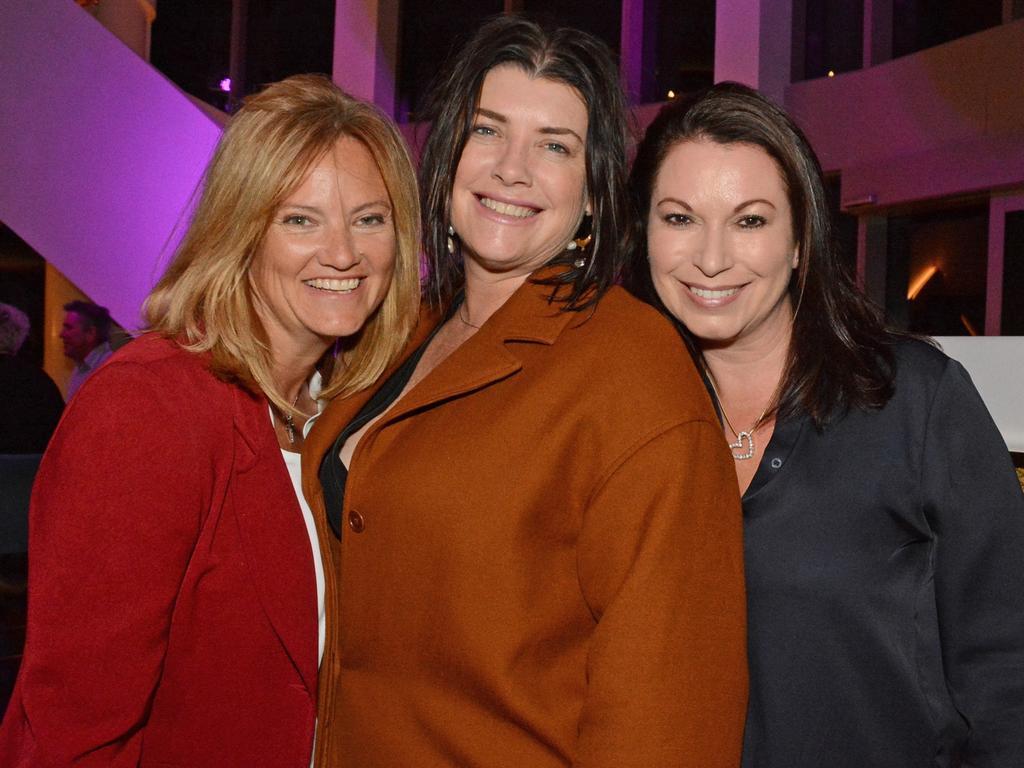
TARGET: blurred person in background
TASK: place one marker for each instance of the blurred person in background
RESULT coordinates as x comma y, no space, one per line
85,334
30,402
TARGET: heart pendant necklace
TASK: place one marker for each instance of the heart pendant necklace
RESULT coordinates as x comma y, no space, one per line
744,447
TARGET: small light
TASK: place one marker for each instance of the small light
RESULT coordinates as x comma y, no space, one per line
225,85
831,73
671,94
920,281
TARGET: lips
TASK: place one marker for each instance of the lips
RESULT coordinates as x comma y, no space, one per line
508,209
334,285
713,298
713,294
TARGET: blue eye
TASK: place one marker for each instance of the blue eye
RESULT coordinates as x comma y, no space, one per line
484,130
554,146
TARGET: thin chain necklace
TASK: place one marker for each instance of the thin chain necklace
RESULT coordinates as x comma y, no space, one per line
744,447
463,320
289,420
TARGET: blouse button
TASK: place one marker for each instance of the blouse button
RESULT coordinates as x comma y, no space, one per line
355,522
776,463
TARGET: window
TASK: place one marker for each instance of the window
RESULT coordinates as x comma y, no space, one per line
429,32
937,269
920,24
601,18
1012,318
679,48
192,43
286,38
829,35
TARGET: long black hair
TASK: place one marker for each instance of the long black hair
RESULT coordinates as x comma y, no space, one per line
840,354
566,56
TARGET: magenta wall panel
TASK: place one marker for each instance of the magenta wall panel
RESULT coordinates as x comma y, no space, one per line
99,153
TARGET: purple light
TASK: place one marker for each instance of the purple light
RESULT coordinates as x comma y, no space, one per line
225,84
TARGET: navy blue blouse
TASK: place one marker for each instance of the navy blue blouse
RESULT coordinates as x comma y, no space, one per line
885,568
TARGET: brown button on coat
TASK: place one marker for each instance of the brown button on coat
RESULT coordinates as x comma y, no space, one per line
542,564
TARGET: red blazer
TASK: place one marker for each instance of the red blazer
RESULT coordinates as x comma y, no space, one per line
172,611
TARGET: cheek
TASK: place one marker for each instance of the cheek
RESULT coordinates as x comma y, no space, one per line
662,251
382,252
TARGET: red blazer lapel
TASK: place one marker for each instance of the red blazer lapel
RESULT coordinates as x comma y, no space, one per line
272,531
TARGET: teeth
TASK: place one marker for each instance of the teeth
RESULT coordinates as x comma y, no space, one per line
704,293
505,209
341,286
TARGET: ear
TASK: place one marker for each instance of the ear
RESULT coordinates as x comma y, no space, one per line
796,257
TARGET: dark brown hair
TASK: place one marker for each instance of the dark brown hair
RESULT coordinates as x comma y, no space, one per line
840,353
566,56
92,316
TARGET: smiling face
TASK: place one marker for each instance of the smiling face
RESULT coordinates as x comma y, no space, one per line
720,243
326,260
520,188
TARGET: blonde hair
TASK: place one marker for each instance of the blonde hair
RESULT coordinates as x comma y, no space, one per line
205,299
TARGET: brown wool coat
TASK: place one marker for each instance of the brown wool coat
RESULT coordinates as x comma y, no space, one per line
545,566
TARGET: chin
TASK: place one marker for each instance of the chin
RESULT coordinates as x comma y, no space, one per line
704,332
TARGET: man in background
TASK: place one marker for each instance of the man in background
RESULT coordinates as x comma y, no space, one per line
30,403
86,337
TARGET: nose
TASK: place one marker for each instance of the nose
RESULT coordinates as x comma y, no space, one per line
340,250
714,255
513,165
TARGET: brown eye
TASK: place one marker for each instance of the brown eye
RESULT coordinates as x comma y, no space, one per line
678,219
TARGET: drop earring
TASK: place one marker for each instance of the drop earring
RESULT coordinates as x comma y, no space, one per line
579,244
451,239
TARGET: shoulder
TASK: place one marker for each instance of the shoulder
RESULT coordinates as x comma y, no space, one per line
154,374
919,357
621,320
921,368
635,350
632,333
162,361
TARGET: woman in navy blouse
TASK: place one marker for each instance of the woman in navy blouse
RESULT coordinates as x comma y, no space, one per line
884,526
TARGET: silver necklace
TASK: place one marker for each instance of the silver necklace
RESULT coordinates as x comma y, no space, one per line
744,447
289,420
463,320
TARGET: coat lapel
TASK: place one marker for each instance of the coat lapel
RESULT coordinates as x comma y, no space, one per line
491,354
273,535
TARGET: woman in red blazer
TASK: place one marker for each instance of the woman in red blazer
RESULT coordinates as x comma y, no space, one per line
175,587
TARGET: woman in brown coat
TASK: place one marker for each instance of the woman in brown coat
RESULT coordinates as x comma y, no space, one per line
536,556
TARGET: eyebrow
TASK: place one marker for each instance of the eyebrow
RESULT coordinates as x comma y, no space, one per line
372,204
738,208
547,130
317,209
